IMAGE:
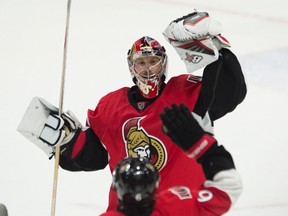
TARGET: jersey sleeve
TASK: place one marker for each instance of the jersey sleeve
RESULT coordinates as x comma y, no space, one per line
217,196
216,159
84,153
222,178
223,86
229,182
214,198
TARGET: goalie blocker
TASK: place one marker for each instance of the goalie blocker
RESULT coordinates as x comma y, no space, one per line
42,125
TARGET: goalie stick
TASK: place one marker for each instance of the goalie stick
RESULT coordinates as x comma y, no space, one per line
61,99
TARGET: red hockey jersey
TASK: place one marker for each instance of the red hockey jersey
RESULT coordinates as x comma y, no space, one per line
126,132
117,129
212,199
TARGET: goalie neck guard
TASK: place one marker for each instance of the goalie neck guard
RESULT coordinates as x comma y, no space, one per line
148,78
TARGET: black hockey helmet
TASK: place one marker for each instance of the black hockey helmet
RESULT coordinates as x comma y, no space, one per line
135,179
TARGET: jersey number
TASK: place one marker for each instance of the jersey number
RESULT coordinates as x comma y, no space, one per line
204,196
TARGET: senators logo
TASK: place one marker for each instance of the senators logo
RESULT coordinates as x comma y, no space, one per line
141,144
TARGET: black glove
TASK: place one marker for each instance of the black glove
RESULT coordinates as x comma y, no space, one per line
184,130
180,125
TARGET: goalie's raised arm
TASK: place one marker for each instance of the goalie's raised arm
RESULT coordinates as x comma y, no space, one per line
42,125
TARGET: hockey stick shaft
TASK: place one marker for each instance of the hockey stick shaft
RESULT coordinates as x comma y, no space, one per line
61,99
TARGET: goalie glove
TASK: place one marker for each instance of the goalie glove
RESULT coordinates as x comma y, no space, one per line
42,125
196,38
194,26
184,130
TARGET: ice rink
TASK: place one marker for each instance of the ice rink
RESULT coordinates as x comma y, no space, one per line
101,32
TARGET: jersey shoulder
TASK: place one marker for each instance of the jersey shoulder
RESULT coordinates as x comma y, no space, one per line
184,78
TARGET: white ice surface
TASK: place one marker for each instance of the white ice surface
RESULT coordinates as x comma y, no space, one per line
101,32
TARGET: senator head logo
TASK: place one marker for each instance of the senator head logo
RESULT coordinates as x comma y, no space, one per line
140,144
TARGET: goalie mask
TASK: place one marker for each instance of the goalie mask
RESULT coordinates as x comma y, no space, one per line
135,180
147,62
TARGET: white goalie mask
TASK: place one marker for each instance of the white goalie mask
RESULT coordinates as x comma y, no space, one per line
147,62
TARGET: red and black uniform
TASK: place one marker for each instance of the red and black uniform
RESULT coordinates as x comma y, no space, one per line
125,124
216,196
206,201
